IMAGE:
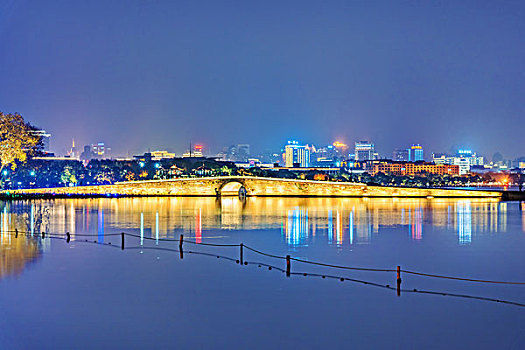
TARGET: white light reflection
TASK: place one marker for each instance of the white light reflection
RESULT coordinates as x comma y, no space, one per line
157,228
351,226
464,222
32,220
141,228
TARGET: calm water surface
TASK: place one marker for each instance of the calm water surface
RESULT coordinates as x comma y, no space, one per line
92,295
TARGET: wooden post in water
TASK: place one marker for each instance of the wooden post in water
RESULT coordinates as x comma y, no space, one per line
68,237
399,281
16,233
43,235
288,266
241,257
122,240
181,239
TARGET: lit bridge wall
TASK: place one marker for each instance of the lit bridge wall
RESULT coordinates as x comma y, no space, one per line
255,186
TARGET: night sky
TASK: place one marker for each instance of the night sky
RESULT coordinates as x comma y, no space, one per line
159,74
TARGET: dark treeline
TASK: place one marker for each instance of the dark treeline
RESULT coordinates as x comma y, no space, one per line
57,173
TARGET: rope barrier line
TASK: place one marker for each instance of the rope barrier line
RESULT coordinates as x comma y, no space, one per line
343,267
460,278
305,274
265,254
389,287
445,294
63,236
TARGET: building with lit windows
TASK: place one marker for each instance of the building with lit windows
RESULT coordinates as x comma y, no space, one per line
416,153
100,150
158,155
401,155
410,168
464,158
296,155
364,150
194,152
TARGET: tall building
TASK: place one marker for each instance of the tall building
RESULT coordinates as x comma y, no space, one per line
73,151
243,152
195,151
464,158
416,153
401,155
472,157
296,155
463,163
364,150
99,149
87,154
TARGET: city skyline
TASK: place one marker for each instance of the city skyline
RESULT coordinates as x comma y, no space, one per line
446,75
205,151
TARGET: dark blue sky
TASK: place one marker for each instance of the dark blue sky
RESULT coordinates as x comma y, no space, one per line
159,74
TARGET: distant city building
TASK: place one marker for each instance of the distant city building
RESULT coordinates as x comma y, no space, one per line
364,150
44,136
243,152
416,153
463,164
235,153
194,152
465,159
296,155
73,151
519,163
100,150
158,155
401,155
87,154
410,168
329,156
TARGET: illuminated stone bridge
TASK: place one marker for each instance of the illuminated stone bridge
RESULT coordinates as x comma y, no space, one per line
251,186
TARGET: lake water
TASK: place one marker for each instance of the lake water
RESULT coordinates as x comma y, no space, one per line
55,294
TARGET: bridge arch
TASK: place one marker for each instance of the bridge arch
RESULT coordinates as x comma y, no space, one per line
231,187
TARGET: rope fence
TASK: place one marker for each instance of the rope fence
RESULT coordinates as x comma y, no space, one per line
242,246
287,258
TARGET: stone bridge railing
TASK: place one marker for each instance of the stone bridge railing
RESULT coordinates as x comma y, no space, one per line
255,186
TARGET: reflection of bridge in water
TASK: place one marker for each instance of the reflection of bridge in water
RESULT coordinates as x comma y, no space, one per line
252,186
338,221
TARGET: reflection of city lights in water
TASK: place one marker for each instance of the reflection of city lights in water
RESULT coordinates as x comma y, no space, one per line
32,219
141,228
100,228
464,222
330,227
416,226
157,228
5,226
522,209
296,227
300,220
351,226
339,228
198,227
502,216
